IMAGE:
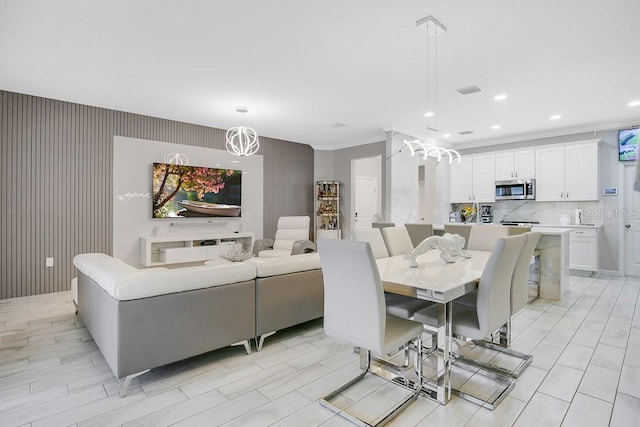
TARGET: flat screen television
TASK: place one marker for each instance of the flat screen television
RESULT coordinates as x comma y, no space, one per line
628,144
181,191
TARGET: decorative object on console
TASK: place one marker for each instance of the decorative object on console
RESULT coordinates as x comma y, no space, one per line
450,246
242,140
237,254
195,191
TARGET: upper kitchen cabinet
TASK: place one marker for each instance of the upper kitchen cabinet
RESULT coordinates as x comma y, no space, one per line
519,164
567,172
473,179
460,176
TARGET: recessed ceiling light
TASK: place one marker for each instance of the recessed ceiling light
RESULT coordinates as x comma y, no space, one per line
495,127
634,103
429,114
446,135
500,97
555,117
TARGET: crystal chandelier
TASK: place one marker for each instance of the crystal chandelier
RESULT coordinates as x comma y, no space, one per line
242,140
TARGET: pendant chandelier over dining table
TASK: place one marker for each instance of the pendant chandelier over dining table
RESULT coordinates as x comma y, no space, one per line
432,27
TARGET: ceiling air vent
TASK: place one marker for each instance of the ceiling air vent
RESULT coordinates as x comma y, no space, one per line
465,132
338,125
469,89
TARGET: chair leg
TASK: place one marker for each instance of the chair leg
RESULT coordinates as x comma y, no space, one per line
366,365
504,335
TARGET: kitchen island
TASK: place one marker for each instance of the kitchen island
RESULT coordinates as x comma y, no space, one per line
553,266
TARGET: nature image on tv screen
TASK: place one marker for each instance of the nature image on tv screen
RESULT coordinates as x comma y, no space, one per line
628,144
193,191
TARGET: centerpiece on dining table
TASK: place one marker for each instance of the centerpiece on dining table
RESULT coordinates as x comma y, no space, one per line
450,246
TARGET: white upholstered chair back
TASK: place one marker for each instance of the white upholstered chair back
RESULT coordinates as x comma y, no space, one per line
290,229
520,281
494,288
418,232
397,240
484,237
354,308
374,238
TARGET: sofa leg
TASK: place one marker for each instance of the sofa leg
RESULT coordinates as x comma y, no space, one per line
260,341
123,383
246,344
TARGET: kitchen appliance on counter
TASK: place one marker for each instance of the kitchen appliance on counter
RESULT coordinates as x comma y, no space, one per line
516,189
485,214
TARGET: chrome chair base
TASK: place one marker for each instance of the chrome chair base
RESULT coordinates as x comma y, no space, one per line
416,389
504,385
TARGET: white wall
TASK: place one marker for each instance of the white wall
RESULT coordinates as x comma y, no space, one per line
402,181
132,182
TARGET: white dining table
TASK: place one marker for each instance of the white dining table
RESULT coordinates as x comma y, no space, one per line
441,282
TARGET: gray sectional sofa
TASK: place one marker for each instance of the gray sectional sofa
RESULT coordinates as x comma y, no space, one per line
142,319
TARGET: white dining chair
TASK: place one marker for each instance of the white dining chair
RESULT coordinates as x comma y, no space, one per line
519,295
354,312
418,232
373,236
397,240
398,305
484,237
493,305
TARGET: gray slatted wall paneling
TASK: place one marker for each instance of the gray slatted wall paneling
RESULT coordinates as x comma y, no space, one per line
56,167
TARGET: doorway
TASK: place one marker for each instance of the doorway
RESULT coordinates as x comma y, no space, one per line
366,179
631,221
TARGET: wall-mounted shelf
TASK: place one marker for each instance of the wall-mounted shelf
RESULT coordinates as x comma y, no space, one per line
192,247
327,210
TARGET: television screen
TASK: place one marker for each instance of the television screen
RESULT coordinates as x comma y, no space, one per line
628,144
195,191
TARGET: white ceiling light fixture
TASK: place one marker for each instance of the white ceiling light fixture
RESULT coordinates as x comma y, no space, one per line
416,146
634,103
500,97
433,27
555,117
242,140
495,127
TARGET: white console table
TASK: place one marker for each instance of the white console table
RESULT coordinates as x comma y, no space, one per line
192,247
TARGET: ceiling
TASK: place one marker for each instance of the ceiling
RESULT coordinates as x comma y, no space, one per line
303,68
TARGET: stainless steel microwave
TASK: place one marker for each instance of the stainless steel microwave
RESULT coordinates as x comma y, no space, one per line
516,189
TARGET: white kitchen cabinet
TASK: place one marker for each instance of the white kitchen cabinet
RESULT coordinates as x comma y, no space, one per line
460,176
567,172
515,165
484,183
581,172
550,173
583,249
473,179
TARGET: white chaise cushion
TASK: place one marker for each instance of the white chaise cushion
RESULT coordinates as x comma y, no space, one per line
124,282
266,267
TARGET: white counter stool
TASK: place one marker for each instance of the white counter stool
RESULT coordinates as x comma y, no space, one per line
354,312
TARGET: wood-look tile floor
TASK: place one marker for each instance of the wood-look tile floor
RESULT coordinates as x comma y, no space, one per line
585,372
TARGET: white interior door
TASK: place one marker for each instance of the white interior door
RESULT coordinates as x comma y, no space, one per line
366,201
631,224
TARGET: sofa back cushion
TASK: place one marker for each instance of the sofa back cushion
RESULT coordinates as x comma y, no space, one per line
266,267
124,282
